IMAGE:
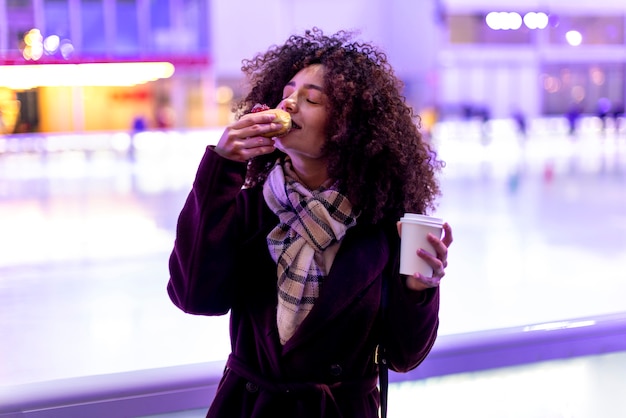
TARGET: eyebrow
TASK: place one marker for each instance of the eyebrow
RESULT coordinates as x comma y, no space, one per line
308,86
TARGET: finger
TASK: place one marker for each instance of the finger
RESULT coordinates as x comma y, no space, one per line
258,145
253,119
399,227
447,237
235,148
252,125
441,250
437,264
420,282
253,147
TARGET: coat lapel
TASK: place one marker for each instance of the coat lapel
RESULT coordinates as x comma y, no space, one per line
359,261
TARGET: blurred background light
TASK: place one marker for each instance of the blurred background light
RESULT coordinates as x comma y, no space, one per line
224,94
554,20
578,94
597,76
534,20
493,21
89,74
514,21
33,45
66,48
33,37
551,84
574,38
503,20
51,44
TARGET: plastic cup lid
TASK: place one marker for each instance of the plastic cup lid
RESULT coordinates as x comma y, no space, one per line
415,217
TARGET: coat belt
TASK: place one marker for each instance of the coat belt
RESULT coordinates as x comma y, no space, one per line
327,403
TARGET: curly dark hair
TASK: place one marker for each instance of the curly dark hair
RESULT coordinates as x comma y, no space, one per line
374,146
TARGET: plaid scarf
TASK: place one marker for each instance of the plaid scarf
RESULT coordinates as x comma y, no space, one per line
309,222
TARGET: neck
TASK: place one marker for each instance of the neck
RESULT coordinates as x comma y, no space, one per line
312,173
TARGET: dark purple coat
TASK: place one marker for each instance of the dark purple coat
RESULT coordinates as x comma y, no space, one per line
221,263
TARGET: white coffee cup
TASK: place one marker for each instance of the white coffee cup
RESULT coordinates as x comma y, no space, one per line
415,229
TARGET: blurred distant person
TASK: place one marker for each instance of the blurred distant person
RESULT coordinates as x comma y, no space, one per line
139,125
618,115
603,109
572,115
484,115
467,111
164,116
520,121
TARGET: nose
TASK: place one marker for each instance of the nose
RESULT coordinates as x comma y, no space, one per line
289,104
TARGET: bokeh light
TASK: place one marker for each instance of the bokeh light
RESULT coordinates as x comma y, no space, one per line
514,21
503,20
578,94
87,74
66,48
551,84
33,45
51,44
574,38
534,20
597,76
224,94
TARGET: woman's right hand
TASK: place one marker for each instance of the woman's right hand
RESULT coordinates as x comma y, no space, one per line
242,140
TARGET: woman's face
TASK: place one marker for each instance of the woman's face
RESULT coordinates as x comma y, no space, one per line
304,98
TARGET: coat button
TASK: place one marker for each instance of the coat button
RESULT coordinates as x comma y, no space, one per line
252,387
335,370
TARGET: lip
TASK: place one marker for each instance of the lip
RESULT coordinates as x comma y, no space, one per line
294,125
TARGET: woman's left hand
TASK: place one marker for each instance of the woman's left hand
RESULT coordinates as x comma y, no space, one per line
438,261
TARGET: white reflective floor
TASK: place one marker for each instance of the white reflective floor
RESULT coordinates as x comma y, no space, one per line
539,226
585,387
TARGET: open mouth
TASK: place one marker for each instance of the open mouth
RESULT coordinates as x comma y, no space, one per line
295,125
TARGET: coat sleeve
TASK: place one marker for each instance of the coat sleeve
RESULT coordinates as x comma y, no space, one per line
408,346
411,320
206,238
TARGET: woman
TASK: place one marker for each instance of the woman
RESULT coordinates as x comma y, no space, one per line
295,235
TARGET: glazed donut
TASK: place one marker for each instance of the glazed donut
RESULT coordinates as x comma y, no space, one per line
281,117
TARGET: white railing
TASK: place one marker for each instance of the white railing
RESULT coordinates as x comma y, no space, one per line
171,389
